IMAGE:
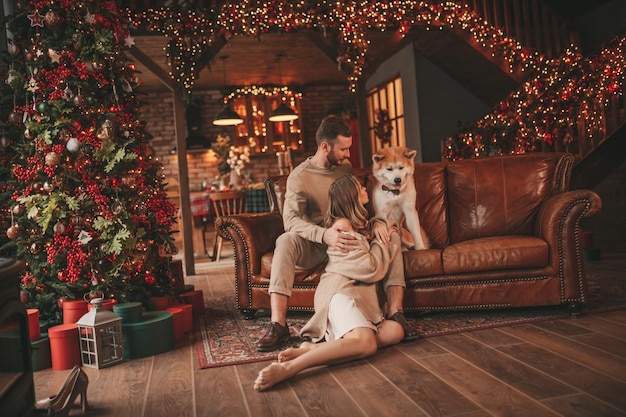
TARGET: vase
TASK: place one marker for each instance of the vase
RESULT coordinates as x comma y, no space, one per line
235,179
224,181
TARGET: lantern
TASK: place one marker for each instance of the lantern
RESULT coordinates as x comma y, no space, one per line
101,341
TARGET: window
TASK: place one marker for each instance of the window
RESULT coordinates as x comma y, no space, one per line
385,115
262,136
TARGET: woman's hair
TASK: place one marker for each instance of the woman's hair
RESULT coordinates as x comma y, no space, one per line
330,128
343,202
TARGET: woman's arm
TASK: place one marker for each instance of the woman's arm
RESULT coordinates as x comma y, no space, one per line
366,262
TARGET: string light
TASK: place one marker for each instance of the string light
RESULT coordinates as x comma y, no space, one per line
560,93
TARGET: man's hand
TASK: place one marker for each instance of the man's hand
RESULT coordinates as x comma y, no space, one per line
337,239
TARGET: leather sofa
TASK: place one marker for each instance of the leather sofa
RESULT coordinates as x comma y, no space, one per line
504,232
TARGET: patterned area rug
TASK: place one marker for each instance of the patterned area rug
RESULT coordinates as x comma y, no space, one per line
223,337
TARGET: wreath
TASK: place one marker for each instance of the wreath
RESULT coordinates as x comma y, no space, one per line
382,127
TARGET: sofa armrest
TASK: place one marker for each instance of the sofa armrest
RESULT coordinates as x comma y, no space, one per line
252,235
558,223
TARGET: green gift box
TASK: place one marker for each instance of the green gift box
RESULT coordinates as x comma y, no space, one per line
40,354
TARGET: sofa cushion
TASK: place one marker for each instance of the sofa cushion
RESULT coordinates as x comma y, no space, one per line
495,253
498,196
422,263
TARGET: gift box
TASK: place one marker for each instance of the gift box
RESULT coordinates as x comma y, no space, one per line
41,358
73,310
154,334
64,346
33,324
129,312
196,299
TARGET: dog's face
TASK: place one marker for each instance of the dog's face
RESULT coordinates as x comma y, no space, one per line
393,167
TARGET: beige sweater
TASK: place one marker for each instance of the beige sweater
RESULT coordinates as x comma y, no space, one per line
354,274
306,198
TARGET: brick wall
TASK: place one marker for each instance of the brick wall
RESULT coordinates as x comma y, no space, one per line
158,113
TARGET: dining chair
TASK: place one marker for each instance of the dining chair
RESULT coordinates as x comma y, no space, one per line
226,203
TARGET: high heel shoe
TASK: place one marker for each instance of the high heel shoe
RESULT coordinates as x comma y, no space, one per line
64,392
62,409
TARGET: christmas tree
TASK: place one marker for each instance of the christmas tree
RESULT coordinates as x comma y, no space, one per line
83,194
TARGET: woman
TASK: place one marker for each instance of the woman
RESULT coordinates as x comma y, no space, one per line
348,318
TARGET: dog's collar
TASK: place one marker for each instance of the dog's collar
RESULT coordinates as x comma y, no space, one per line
391,190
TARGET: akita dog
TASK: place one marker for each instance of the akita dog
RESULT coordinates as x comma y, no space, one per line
394,195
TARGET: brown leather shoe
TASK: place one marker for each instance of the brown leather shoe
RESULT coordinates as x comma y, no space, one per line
272,340
409,332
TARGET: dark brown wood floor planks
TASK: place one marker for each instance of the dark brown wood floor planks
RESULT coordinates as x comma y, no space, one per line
567,368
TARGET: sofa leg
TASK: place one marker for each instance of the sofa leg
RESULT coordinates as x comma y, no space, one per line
248,314
575,309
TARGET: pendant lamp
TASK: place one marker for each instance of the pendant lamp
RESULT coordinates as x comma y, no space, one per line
227,116
282,113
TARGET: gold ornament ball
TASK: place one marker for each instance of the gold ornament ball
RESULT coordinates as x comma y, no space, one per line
79,100
15,117
51,18
53,159
35,248
59,227
60,302
13,49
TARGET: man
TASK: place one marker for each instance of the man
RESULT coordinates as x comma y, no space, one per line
305,241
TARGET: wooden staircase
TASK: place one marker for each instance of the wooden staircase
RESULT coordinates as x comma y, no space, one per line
599,148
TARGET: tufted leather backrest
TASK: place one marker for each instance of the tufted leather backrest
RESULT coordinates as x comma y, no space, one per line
432,201
473,198
498,196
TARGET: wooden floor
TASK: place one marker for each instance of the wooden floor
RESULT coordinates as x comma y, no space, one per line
570,368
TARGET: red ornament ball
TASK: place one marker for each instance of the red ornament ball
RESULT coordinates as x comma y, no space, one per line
14,232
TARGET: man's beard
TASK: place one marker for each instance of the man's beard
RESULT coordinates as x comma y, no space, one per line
334,161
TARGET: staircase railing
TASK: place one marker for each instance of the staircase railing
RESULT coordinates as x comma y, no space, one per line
531,22
594,113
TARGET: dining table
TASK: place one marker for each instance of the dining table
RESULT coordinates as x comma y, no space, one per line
256,201
204,215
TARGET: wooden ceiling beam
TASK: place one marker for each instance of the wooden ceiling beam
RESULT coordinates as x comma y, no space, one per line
320,42
153,67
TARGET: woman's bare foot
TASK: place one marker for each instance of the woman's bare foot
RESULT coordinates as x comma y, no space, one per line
271,375
292,353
